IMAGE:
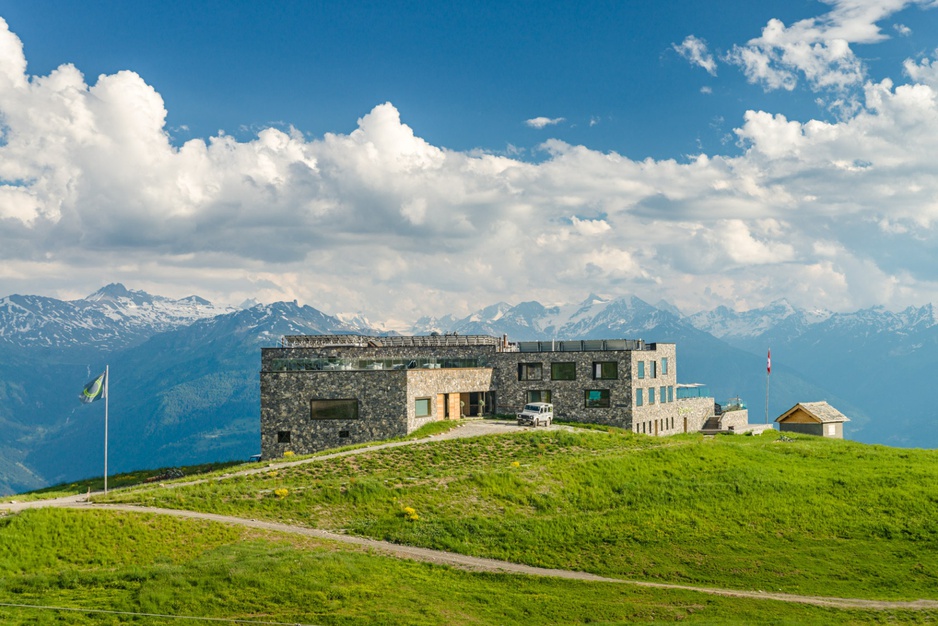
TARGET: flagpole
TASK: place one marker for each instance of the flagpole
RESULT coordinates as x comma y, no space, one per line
768,372
107,398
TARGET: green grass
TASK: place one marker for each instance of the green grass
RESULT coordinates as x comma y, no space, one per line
812,516
140,563
119,481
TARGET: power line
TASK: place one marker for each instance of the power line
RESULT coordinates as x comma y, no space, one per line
135,614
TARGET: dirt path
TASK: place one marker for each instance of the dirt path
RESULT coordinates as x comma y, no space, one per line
470,429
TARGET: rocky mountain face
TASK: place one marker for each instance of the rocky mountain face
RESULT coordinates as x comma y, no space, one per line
184,373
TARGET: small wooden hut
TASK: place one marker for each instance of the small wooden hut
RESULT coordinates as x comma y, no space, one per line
813,418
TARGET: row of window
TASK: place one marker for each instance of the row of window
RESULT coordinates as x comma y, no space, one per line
654,426
652,368
665,394
602,370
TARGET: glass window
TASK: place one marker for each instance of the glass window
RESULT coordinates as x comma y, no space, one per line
563,371
606,370
422,407
283,436
653,369
651,395
641,369
529,371
662,394
671,396
537,395
638,397
664,366
333,409
597,398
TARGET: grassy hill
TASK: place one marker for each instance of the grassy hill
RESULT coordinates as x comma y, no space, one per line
801,516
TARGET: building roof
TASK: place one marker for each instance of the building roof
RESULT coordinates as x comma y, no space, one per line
821,411
364,341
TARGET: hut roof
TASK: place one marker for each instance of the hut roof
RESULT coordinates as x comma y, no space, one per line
821,411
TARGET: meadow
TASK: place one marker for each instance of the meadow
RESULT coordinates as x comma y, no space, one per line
799,515
118,568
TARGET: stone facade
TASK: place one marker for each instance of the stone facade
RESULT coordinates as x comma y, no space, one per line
396,389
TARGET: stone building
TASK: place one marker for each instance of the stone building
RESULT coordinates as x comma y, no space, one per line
323,391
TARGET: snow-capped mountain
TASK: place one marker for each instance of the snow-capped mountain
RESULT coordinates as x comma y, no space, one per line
111,318
184,372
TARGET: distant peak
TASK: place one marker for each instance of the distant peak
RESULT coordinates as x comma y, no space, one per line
594,299
250,303
113,290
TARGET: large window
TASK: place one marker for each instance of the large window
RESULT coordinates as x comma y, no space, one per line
662,394
333,409
563,371
653,369
651,395
529,371
605,370
664,366
422,407
638,398
597,398
537,395
671,394
641,369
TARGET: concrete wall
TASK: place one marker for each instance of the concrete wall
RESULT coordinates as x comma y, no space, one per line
660,417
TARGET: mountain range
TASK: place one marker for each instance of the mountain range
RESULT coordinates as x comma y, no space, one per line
184,373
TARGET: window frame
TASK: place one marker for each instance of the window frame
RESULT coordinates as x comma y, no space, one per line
526,369
604,401
599,370
429,404
542,392
354,413
565,363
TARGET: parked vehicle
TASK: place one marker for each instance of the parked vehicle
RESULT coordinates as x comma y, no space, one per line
536,414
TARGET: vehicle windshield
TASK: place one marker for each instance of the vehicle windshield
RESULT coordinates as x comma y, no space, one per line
534,408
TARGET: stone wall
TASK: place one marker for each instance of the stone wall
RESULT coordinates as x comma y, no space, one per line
660,417
433,383
693,413
735,420
285,407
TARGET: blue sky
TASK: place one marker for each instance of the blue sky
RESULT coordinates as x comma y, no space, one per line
409,158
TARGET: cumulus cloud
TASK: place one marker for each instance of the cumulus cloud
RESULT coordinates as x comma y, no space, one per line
818,49
695,50
541,122
837,214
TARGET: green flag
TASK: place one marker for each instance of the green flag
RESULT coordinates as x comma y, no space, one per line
94,390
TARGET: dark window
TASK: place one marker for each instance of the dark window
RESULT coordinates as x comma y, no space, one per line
283,436
537,395
563,371
606,370
597,398
422,407
343,433
333,409
653,369
529,371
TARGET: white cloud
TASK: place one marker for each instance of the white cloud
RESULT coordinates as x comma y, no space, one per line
902,29
817,49
836,214
541,122
695,50
706,90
